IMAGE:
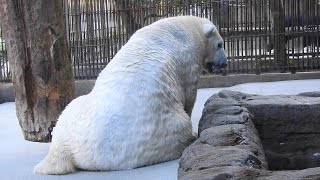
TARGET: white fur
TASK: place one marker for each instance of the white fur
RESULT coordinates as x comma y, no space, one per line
208,29
138,112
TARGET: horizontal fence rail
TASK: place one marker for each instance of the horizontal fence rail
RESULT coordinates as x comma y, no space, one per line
261,36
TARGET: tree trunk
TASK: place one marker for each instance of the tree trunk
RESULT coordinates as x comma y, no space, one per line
40,62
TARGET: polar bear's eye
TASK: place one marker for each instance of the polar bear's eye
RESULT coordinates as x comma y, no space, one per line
220,45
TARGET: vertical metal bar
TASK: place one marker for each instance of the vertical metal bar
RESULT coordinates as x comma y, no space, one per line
71,27
103,32
279,32
246,40
73,45
236,25
79,39
124,39
98,38
168,7
318,33
252,28
300,34
230,28
4,68
83,41
307,31
93,44
309,35
312,30
242,23
114,17
240,6
269,35
266,15
256,44
107,38
291,55
69,13
259,11
87,40
90,39
118,39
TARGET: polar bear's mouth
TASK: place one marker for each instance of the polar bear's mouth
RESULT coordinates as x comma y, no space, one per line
220,66
211,67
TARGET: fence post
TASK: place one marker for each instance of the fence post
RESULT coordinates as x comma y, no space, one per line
279,38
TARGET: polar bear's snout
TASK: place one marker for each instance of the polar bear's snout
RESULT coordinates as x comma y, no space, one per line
220,59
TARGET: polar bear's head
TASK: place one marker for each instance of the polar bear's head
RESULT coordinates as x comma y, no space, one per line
215,58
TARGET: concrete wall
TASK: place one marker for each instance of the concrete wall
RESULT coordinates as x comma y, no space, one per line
211,81
234,79
6,92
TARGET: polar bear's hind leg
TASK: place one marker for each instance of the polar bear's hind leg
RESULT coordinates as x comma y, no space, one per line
57,162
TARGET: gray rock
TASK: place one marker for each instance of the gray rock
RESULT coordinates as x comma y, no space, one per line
231,110
244,173
229,135
233,95
221,119
205,157
222,173
310,94
234,126
215,102
306,174
289,127
221,115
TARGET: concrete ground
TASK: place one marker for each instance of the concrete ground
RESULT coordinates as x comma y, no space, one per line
18,157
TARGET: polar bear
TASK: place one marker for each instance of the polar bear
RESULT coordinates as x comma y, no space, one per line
138,112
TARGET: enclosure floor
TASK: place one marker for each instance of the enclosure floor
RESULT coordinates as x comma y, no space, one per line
18,157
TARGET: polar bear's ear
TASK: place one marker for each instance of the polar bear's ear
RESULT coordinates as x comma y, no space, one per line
208,29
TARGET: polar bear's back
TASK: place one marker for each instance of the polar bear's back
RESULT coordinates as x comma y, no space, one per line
152,53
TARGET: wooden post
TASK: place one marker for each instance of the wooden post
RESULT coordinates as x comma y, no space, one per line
40,63
279,38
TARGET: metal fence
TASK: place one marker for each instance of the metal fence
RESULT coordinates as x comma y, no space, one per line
261,36
4,64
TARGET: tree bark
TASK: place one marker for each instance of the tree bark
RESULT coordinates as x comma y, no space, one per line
40,62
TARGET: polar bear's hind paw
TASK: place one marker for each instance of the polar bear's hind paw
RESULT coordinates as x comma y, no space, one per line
54,167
